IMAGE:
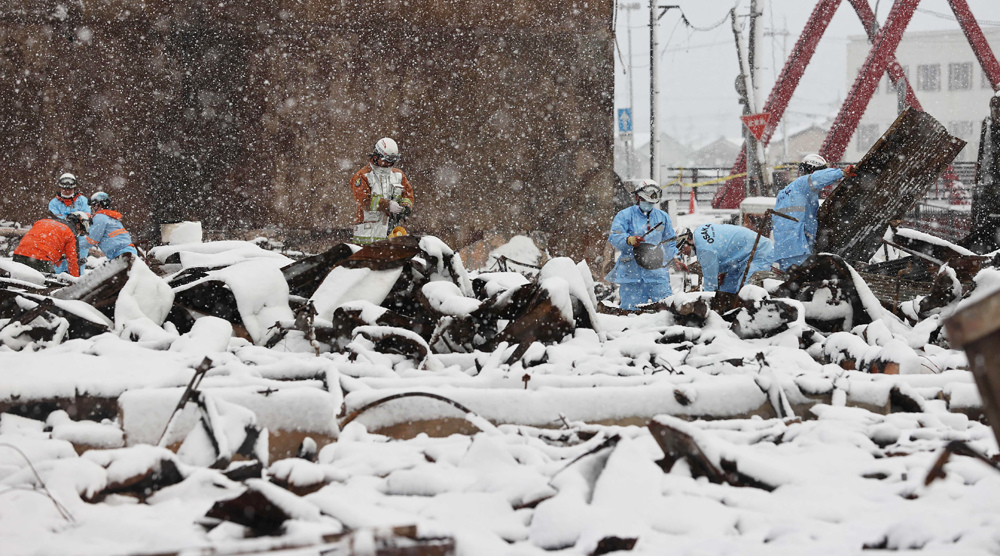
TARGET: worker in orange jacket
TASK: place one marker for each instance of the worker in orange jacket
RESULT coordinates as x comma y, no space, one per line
50,241
383,195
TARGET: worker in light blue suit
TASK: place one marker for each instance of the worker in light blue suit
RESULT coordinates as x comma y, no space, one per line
724,248
66,202
641,223
106,230
68,199
795,241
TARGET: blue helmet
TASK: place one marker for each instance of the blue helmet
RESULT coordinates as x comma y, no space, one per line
101,199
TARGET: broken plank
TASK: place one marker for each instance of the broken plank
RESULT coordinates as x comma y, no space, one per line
891,178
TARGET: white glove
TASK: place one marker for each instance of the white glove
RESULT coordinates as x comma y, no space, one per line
395,207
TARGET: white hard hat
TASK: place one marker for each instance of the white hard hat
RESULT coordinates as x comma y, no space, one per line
387,150
649,190
814,162
67,181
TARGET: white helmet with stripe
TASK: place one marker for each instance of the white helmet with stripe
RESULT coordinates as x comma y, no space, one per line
386,149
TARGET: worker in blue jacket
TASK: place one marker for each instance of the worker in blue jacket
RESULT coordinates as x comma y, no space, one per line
106,230
641,223
66,202
795,241
725,249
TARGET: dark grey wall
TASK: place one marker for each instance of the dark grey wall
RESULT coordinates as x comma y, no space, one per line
256,113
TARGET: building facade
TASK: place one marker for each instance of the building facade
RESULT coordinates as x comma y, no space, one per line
947,80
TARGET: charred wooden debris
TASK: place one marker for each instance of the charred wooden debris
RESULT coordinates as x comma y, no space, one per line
404,296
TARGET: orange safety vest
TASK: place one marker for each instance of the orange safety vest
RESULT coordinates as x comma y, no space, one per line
50,240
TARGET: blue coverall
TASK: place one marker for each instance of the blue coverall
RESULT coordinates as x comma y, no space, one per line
639,285
726,248
59,208
108,234
795,241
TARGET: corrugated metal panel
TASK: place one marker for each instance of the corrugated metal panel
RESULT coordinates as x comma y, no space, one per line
892,176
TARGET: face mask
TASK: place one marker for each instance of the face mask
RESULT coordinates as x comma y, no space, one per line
645,206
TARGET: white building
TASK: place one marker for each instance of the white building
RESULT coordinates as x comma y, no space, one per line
946,77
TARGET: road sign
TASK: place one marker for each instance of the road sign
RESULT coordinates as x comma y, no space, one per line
624,120
756,123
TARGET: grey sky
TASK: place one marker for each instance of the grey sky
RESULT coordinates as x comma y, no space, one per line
698,101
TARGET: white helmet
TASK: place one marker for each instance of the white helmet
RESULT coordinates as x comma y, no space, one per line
648,190
67,181
387,150
812,162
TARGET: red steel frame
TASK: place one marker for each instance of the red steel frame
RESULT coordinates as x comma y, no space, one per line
880,59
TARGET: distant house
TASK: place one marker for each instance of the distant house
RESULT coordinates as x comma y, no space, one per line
672,154
720,153
800,143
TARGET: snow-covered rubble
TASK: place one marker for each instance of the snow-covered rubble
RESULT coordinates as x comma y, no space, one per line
502,412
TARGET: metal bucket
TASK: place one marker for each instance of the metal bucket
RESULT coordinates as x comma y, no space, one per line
649,255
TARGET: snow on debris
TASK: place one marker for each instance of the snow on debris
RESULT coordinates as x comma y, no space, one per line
818,450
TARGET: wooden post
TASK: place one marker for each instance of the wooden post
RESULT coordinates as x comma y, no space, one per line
976,329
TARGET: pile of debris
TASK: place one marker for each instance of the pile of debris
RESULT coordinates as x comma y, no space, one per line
407,296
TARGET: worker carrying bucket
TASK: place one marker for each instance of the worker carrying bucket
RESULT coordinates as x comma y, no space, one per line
644,236
383,195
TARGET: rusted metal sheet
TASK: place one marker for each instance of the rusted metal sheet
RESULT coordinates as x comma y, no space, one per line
891,177
385,254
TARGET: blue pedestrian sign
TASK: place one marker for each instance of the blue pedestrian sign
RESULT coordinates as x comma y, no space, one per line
625,120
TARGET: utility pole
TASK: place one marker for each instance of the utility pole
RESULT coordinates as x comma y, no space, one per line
630,145
742,89
654,97
757,181
654,90
756,30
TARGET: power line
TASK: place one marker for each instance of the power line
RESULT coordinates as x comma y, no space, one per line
714,25
950,17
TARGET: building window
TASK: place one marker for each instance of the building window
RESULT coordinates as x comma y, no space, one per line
929,77
867,135
960,77
962,130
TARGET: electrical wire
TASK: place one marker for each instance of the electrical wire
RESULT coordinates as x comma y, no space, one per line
710,27
949,17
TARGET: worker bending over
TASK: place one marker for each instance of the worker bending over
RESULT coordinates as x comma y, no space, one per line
725,249
51,241
106,230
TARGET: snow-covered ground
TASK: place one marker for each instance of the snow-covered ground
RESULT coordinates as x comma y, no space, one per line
554,456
